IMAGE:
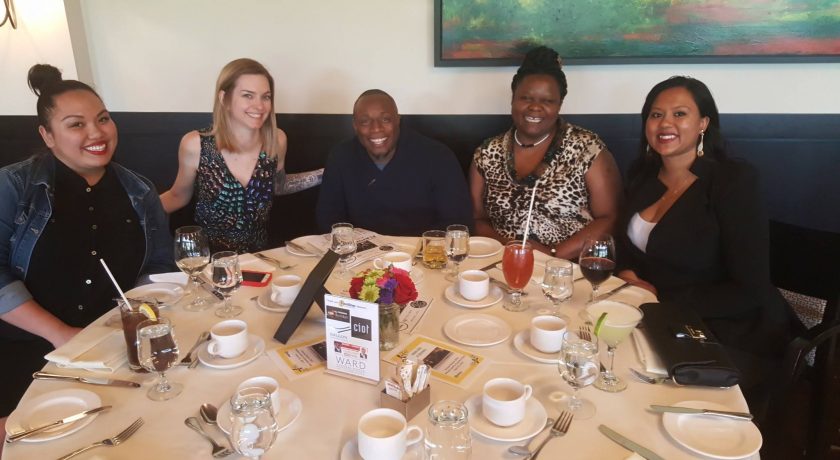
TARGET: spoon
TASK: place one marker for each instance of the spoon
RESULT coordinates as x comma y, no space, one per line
208,413
524,450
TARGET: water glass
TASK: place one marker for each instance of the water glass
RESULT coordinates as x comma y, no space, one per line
448,433
579,366
158,351
192,254
457,247
227,277
343,243
557,285
253,426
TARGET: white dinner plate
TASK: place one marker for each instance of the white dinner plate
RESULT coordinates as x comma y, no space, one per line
481,246
713,436
290,408
477,329
264,301
453,296
256,347
350,451
165,294
302,241
530,426
522,343
50,407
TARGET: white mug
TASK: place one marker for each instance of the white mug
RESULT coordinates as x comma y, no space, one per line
547,333
473,284
383,434
503,401
268,384
285,288
229,338
396,258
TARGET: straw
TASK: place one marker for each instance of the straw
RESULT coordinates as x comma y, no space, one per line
530,210
122,294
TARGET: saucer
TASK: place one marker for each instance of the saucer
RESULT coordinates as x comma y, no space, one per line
481,246
164,293
351,451
50,407
476,329
715,437
290,408
264,301
256,347
530,426
453,296
522,343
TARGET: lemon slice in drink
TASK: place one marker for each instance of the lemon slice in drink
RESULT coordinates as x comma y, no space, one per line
599,323
147,310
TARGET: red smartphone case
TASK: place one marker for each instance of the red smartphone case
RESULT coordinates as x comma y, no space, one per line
255,278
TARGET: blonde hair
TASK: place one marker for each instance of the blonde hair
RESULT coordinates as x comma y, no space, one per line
221,123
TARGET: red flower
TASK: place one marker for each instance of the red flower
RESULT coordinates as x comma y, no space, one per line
405,292
356,286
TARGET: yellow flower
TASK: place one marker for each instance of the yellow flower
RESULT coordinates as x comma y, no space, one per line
369,293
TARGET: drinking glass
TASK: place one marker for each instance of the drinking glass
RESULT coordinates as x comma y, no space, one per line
517,266
457,247
434,249
226,278
557,285
131,316
579,367
253,426
343,243
619,322
597,261
157,352
192,254
448,433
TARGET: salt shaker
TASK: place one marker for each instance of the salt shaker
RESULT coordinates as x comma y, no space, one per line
448,432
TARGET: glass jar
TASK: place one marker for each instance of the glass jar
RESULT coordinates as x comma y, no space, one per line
389,326
448,433
253,426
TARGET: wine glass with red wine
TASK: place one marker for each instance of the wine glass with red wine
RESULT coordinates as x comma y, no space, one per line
597,261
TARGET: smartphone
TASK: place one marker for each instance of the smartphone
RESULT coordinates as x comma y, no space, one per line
255,278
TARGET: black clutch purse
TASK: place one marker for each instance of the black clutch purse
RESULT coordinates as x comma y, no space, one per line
689,350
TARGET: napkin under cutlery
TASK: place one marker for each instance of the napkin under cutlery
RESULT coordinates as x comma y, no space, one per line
647,355
96,348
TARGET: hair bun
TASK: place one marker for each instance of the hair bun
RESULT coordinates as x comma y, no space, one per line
42,76
542,57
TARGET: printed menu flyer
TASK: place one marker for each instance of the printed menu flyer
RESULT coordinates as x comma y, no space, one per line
300,359
449,363
352,337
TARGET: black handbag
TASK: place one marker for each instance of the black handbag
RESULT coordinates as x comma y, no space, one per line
689,350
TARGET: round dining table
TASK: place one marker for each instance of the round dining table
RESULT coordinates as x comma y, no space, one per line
331,405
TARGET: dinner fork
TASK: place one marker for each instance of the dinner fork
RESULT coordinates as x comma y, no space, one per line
560,427
110,442
218,450
276,262
585,333
648,379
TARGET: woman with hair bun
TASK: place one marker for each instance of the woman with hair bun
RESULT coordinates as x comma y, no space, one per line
60,212
236,166
577,181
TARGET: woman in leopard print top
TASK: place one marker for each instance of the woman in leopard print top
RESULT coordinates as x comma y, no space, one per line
577,181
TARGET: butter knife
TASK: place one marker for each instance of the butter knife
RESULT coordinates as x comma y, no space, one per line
490,267
690,410
298,247
613,292
88,380
25,434
628,444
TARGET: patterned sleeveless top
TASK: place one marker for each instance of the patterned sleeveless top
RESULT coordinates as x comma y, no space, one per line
234,217
561,205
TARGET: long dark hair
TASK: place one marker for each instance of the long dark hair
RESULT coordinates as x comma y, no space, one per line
713,142
46,82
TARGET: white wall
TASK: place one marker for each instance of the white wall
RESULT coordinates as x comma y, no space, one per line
164,56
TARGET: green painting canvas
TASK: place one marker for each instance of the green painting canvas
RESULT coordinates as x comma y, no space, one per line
499,32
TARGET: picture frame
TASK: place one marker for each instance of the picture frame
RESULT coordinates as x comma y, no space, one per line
500,32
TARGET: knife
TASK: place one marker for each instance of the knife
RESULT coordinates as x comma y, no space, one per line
27,433
628,444
298,247
490,267
202,281
690,410
88,380
614,291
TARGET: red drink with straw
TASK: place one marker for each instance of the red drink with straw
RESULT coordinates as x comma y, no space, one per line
517,265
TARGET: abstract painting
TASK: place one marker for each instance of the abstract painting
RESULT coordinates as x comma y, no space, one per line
499,32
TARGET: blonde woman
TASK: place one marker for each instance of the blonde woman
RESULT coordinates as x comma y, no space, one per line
236,166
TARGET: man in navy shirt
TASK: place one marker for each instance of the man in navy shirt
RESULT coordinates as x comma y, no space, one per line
391,182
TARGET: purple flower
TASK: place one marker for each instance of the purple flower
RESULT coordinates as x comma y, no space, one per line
386,296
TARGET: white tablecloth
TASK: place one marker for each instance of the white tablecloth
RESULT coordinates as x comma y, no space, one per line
332,405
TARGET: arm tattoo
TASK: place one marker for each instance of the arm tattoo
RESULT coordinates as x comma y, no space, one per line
285,184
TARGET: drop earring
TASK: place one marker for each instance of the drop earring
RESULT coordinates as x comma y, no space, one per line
700,152
647,151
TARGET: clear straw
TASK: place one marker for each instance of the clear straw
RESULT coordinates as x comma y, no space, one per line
530,210
122,294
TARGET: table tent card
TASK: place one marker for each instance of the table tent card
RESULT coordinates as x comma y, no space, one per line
352,331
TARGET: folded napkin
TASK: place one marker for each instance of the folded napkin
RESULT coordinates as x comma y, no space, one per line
95,348
172,277
647,356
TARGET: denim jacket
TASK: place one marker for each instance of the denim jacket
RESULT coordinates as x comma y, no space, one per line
26,203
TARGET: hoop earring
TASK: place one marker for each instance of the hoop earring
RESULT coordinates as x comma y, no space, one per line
700,151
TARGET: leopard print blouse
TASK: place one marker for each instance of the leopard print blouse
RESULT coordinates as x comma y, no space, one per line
561,206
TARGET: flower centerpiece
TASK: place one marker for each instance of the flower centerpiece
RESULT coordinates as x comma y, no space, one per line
389,287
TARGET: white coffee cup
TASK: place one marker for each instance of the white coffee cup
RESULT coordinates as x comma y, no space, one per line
547,333
398,259
228,339
503,401
268,384
473,284
383,434
285,288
